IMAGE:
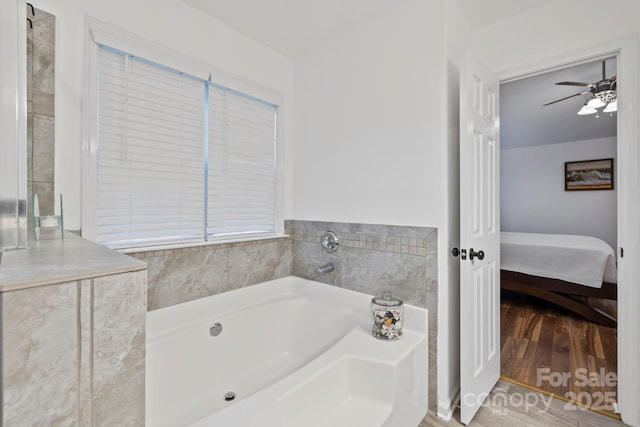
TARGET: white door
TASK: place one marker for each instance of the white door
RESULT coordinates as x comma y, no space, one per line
479,237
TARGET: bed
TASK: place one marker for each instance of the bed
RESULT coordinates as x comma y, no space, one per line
565,270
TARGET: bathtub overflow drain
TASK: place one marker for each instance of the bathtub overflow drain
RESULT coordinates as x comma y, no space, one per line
215,329
229,396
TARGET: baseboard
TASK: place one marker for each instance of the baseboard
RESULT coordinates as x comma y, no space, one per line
447,407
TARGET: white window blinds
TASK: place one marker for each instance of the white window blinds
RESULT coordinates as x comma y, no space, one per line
179,159
241,182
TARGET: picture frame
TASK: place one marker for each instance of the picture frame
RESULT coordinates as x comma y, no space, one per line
597,174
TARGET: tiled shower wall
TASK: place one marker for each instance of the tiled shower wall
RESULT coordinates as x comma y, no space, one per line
40,109
369,259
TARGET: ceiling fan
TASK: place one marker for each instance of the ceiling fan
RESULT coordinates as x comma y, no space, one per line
603,93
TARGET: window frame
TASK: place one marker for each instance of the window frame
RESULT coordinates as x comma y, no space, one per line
98,32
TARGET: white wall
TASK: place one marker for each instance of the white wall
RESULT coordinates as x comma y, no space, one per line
169,23
368,134
533,198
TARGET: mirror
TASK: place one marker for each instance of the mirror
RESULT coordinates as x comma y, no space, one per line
41,30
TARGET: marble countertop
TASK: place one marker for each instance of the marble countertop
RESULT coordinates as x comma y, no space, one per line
47,262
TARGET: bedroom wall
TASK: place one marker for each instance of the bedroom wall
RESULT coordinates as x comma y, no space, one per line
533,198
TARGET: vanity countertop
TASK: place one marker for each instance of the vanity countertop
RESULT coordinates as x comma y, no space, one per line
47,262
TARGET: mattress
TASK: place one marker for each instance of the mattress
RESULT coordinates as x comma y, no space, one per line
583,260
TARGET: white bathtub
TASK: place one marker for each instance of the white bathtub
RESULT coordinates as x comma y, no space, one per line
295,353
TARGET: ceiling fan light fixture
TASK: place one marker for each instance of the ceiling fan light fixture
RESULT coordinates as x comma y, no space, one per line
586,110
612,107
606,96
595,103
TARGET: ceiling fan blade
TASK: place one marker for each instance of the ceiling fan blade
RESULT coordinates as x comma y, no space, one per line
562,99
574,84
614,77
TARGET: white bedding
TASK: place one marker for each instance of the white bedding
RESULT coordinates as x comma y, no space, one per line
577,259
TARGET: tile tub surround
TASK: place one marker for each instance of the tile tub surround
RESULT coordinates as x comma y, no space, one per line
185,274
73,325
371,259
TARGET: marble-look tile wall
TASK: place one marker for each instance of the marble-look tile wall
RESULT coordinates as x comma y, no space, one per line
118,357
39,374
40,110
179,275
73,354
372,259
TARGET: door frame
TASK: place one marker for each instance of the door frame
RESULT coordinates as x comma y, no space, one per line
628,154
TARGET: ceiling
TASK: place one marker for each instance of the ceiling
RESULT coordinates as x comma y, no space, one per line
525,122
483,13
292,26
295,26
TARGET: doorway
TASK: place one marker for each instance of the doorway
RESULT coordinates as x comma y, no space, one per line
546,346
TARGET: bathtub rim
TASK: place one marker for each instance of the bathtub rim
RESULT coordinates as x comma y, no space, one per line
171,319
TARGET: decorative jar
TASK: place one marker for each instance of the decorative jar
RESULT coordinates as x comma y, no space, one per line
388,316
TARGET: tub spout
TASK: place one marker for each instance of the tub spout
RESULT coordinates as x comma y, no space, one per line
327,268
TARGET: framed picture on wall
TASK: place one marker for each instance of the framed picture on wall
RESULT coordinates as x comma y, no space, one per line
588,175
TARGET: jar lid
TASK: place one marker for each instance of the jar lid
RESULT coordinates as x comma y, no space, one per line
386,300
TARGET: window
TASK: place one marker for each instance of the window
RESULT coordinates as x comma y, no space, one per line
179,159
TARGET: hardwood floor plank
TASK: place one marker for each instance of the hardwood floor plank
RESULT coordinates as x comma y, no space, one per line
521,348
544,348
597,344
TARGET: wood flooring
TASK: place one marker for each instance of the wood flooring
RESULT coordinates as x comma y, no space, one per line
552,350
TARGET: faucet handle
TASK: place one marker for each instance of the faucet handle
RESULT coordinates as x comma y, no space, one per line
330,242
